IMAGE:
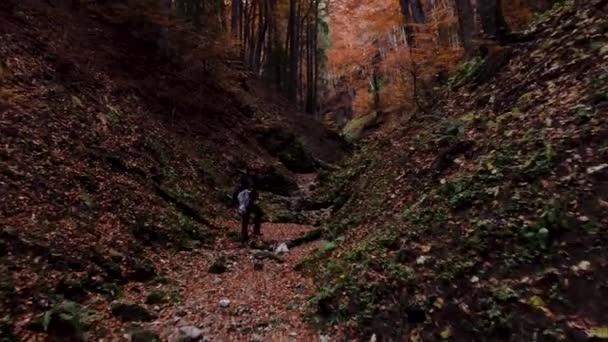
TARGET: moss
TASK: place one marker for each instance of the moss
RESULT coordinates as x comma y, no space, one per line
355,128
188,235
110,290
110,268
460,193
128,312
156,297
65,320
426,216
525,101
465,72
538,163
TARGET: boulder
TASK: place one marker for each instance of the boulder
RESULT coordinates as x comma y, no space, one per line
356,127
128,312
143,270
284,145
189,334
282,249
218,266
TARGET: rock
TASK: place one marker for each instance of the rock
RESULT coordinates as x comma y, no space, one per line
260,245
422,260
323,338
111,269
261,255
355,128
289,150
282,249
219,266
128,312
156,297
143,270
224,303
255,338
144,336
190,333
62,323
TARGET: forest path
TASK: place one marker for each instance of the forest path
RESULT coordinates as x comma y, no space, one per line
268,299
269,304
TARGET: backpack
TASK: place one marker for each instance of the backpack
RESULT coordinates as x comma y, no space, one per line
244,198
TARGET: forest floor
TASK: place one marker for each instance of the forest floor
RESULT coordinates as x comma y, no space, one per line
113,221
234,291
258,296
269,303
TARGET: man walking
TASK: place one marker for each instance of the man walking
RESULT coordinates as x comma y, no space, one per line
245,196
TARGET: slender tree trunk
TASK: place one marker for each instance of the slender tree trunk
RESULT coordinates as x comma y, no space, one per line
406,15
309,71
315,58
417,11
466,25
261,37
302,48
492,19
234,24
292,38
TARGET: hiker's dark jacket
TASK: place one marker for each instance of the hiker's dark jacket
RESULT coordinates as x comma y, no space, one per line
246,181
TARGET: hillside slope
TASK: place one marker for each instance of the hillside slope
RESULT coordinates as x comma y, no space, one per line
486,219
113,155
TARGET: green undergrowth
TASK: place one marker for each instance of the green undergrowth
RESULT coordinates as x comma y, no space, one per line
478,243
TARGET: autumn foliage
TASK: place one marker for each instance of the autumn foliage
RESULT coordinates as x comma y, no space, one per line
405,49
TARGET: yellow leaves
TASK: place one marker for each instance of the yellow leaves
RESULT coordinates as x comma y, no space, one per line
77,102
446,333
599,332
425,248
536,302
439,303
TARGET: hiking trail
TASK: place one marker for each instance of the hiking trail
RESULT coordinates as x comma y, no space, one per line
253,294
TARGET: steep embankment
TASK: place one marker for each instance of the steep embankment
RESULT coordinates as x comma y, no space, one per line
113,155
486,219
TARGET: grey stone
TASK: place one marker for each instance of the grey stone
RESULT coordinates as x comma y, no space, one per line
224,303
190,333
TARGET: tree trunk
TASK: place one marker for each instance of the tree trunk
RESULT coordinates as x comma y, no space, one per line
236,6
417,11
406,16
293,45
315,58
492,20
466,25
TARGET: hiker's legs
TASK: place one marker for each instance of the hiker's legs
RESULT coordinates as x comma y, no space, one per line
245,226
257,219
